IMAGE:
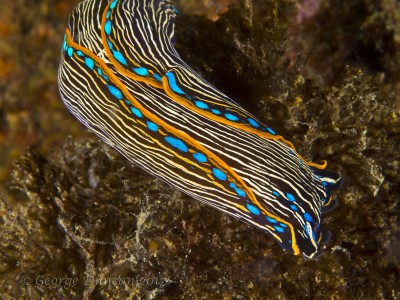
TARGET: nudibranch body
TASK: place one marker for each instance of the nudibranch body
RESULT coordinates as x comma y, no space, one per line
121,76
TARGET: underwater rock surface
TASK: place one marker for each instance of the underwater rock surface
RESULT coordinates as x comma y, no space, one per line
82,212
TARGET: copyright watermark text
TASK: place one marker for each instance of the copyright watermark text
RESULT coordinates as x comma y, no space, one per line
68,282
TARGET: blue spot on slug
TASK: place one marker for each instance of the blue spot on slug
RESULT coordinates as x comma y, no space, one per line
136,112
107,27
219,174
141,71
89,62
231,117
177,143
216,111
293,207
272,220
240,193
271,131
110,45
290,197
172,83
200,157
113,4
79,52
115,92
118,56
308,217
65,46
253,123
275,193
279,229
253,209
201,104
157,77
152,126
70,51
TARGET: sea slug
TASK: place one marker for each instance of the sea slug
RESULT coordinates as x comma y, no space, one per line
121,76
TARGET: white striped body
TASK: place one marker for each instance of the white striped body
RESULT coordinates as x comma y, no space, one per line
122,78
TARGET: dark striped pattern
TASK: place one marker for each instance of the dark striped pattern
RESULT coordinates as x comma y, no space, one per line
122,78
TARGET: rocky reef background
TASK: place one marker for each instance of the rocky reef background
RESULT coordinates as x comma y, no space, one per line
324,74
